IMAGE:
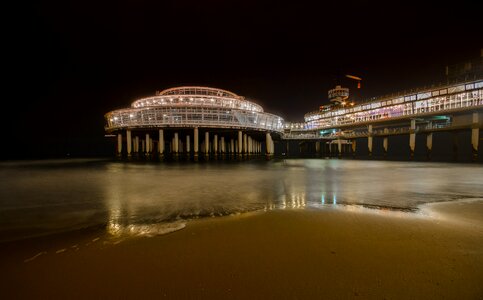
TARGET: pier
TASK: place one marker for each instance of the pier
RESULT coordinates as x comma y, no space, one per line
194,123
452,108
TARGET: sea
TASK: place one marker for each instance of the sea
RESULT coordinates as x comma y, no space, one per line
45,197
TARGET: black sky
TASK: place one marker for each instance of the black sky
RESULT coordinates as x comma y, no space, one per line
69,62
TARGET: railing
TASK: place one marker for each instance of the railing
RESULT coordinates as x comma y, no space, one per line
363,133
158,117
414,108
301,136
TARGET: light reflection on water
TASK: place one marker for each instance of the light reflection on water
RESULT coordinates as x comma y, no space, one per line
152,198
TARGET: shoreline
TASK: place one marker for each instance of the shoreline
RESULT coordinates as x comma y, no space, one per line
429,209
295,253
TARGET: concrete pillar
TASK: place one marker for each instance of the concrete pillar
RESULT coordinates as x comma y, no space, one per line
161,143
215,144
268,144
119,144
129,142
223,145
429,144
207,144
240,142
143,146
136,145
176,144
339,148
354,147
317,148
475,132
412,138
245,152
255,147
148,144
369,139
272,146
188,145
195,144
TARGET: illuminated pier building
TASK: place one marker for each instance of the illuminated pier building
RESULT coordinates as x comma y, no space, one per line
170,123
194,121
448,108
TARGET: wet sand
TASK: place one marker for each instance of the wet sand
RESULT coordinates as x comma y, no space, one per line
329,253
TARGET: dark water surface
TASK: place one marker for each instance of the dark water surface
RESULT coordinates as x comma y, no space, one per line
44,197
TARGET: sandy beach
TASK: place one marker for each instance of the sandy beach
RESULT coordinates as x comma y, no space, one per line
351,252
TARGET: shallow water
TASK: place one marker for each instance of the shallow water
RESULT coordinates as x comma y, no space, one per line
44,197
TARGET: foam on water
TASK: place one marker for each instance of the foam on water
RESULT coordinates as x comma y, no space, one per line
144,230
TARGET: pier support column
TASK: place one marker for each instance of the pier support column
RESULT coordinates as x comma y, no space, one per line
161,144
475,132
339,148
188,146
207,145
240,143
176,145
272,147
119,144
385,141
245,152
223,146
232,147
195,144
317,149
148,144
268,144
136,145
129,142
429,145
255,147
369,140
215,146
412,138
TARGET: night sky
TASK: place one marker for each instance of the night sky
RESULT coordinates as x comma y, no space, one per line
70,62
